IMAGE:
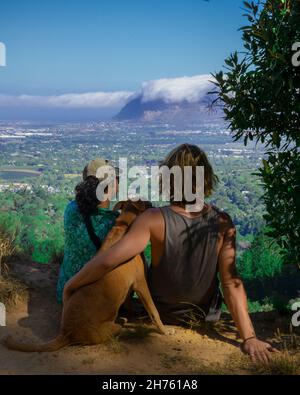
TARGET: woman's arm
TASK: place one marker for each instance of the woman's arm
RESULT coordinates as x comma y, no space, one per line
133,243
236,299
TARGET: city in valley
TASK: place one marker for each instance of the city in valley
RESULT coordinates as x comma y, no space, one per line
41,164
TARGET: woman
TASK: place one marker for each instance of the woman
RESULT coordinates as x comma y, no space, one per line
87,221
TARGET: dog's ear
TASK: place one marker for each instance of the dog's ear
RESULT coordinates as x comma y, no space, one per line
119,206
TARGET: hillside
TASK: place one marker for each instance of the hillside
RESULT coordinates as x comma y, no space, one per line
203,350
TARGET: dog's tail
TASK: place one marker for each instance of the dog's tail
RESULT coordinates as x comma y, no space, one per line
59,342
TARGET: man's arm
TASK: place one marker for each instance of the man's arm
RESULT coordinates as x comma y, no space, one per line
236,298
134,242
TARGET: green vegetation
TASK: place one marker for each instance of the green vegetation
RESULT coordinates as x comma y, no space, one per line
6,249
262,260
34,220
260,90
31,209
239,193
11,290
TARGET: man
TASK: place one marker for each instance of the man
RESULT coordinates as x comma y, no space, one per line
189,251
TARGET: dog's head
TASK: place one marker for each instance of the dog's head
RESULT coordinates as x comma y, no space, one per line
130,210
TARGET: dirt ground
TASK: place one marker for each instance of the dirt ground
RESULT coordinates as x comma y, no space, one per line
139,349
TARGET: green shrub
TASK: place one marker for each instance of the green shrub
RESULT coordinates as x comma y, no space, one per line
263,259
260,92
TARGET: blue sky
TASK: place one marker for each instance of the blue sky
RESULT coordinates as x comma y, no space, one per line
61,46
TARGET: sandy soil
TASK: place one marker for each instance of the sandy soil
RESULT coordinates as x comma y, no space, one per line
139,349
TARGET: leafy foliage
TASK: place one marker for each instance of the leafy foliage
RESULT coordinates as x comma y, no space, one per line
261,95
262,260
36,223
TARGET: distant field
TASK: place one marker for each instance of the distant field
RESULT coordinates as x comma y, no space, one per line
17,173
72,175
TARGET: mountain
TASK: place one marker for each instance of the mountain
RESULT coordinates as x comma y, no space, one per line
170,112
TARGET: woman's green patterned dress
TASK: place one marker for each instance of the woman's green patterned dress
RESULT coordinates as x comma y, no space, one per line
79,248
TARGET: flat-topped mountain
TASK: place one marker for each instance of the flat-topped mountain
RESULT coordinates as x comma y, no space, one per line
178,100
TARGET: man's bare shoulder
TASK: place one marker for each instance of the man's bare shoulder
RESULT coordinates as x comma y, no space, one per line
151,219
152,214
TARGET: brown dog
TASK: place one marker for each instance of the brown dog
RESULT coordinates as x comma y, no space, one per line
90,313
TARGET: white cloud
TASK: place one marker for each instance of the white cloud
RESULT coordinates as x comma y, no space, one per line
173,90
69,100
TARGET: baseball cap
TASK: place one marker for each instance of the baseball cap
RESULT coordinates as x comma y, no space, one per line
92,167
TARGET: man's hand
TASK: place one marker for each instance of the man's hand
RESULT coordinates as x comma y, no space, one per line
258,350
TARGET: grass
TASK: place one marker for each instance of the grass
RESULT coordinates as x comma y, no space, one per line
195,318
260,307
290,341
282,364
129,333
115,346
285,364
11,291
256,306
7,249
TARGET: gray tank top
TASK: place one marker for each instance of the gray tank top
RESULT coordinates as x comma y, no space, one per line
187,272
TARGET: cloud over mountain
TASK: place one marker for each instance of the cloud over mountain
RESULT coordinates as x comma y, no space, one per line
170,90
176,90
153,96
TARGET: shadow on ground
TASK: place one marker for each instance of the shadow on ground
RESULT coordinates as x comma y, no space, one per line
139,350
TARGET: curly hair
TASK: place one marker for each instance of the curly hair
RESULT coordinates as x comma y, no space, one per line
86,196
